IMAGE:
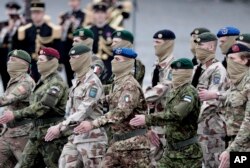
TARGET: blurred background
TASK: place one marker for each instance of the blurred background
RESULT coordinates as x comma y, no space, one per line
180,16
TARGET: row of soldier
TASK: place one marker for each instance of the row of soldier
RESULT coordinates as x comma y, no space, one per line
172,99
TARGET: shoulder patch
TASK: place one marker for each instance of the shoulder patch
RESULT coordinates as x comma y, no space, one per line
216,78
92,92
54,90
187,99
21,31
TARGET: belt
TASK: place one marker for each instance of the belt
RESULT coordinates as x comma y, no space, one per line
42,122
122,137
18,123
182,144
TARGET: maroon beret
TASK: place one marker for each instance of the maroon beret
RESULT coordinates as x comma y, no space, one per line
48,51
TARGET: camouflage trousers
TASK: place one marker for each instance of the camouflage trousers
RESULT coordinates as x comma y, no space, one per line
126,158
47,153
11,150
189,157
212,146
87,155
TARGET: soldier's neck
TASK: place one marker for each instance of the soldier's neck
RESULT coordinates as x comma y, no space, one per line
37,24
100,25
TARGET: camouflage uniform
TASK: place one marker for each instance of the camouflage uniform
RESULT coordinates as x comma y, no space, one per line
129,146
157,95
13,141
47,105
180,121
85,105
236,106
211,124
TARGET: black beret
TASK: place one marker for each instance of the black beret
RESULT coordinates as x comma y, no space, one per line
237,48
13,5
164,34
103,7
199,30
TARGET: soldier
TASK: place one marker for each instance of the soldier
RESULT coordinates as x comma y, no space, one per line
129,146
197,31
161,84
194,34
46,108
213,78
179,118
244,39
102,37
84,101
37,34
85,37
125,39
70,21
16,97
235,102
227,36
8,33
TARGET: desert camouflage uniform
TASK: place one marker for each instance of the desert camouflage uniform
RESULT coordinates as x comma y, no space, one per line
47,108
129,146
237,109
211,124
157,96
14,139
180,121
84,101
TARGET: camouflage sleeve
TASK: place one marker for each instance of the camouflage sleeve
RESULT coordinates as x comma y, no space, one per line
176,111
241,142
128,100
87,106
20,92
49,100
155,93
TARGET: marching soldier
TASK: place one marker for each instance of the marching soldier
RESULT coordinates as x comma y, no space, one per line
47,107
125,39
129,146
39,33
161,85
179,118
85,102
197,31
70,21
227,37
102,37
8,33
16,97
213,78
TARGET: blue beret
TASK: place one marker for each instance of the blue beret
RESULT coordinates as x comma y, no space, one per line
228,31
164,34
126,52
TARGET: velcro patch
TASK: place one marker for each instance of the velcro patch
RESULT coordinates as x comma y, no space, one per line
216,79
21,89
92,92
187,99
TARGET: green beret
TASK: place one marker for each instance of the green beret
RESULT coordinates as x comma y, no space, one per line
244,38
124,34
199,30
82,32
79,49
182,63
20,54
205,37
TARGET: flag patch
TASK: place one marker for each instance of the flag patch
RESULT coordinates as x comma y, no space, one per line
92,92
187,99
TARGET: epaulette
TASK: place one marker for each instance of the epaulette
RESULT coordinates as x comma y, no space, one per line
56,30
21,31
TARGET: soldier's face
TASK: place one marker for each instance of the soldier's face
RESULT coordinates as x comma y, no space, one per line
236,58
205,46
74,4
37,16
158,42
42,59
99,17
116,41
11,11
77,40
222,40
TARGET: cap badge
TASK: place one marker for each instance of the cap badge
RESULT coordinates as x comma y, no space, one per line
196,31
73,52
15,52
160,35
118,51
178,64
118,34
241,37
235,48
81,33
224,31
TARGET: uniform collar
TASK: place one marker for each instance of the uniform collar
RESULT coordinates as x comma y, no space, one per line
166,62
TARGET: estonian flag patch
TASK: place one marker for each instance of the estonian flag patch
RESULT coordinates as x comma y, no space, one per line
187,99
